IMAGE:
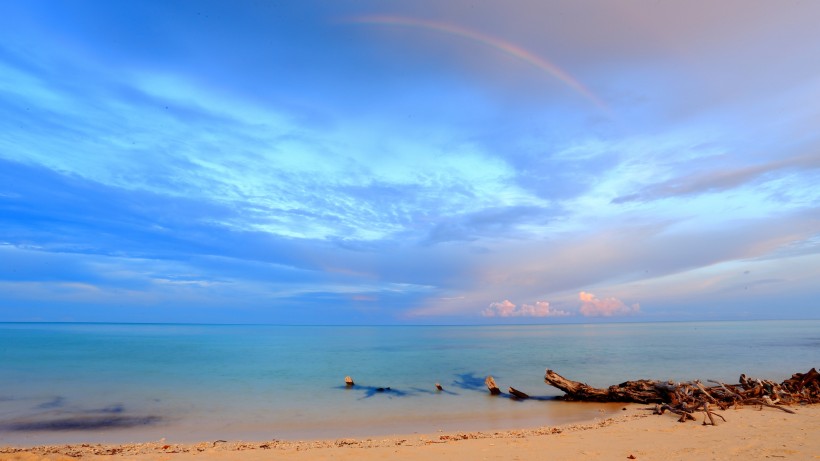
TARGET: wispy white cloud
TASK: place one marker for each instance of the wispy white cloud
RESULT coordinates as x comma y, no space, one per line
411,165
720,180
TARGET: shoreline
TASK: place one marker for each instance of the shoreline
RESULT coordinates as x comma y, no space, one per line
749,432
504,414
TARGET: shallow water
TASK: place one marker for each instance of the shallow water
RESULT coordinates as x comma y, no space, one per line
120,383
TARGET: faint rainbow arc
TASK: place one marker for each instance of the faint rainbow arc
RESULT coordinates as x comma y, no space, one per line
490,41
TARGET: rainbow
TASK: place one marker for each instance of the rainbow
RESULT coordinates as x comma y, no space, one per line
487,40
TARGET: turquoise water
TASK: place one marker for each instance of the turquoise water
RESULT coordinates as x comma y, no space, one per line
118,383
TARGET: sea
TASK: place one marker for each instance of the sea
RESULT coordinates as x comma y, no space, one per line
121,383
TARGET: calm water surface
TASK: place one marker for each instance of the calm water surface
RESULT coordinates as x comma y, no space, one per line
118,383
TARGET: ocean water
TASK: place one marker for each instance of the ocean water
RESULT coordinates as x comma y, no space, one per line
62,383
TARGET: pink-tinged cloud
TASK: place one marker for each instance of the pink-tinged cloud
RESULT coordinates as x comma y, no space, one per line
591,306
508,309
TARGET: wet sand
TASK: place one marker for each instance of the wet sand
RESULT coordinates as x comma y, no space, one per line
749,433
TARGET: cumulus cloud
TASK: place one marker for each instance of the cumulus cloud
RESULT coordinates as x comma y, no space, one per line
508,309
592,306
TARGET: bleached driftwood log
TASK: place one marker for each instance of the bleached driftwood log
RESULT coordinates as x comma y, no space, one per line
491,386
641,391
685,399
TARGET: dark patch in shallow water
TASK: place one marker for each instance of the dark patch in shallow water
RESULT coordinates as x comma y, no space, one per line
473,382
81,423
118,408
370,391
56,402
432,392
470,381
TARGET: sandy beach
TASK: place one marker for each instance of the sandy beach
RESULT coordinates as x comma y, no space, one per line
748,433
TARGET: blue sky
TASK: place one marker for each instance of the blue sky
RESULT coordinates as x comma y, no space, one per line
409,162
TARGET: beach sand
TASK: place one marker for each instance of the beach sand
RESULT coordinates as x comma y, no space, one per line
749,433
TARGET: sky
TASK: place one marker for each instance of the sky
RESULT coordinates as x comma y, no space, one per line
424,162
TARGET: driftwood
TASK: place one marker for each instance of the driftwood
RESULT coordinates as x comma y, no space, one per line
685,399
642,391
491,386
518,394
